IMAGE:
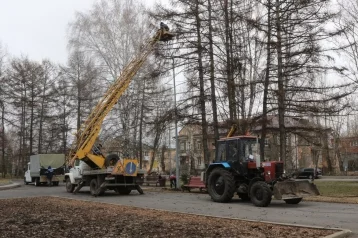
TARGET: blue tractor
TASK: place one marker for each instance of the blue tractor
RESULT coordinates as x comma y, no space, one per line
238,169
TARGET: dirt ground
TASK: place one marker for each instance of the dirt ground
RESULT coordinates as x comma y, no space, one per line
55,217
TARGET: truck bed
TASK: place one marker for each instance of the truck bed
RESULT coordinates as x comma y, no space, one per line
105,171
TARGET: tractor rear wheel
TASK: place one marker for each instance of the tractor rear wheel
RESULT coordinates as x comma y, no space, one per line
221,185
293,200
260,194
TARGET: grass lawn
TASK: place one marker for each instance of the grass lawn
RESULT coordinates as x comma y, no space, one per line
4,181
337,188
336,191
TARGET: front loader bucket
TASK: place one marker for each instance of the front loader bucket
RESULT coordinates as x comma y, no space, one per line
294,189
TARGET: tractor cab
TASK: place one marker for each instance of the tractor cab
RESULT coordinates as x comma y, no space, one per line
241,153
238,149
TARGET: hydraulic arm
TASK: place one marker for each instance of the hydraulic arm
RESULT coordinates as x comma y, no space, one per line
89,131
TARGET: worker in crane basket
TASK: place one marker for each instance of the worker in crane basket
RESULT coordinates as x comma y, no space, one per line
97,150
164,26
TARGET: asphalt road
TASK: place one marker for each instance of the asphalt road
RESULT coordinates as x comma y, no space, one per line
306,213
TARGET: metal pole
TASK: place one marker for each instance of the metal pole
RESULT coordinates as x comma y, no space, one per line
176,131
169,155
296,151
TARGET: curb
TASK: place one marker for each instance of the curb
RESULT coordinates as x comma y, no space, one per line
10,186
340,233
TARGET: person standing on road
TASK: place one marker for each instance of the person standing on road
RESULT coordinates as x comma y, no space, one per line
49,174
173,181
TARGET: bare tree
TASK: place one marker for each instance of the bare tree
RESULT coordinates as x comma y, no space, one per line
2,108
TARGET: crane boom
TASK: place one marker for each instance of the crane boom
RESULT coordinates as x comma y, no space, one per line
89,131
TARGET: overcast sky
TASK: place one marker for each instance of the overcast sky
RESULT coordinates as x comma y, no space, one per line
37,28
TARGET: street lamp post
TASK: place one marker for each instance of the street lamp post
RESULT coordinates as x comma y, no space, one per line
176,131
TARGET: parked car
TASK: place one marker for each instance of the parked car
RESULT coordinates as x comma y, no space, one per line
307,173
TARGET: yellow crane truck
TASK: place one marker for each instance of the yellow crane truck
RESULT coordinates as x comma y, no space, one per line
89,167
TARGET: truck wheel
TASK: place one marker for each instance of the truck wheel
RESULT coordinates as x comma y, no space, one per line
293,201
221,185
37,182
139,189
123,190
260,194
94,186
69,186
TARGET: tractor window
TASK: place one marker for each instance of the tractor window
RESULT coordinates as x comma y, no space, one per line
222,152
249,150
232,150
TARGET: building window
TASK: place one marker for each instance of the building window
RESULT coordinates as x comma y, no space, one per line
198,145
267,141
189,146
199,160
182,146
145,153
354,143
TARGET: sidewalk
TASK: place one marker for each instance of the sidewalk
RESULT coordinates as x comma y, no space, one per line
9,186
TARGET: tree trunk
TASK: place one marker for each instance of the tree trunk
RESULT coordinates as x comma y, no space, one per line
266,83
141,128
162,159
41,119
281,90
230,78
78,108
204,125
3,139
155,149
23,135
212,76
32,117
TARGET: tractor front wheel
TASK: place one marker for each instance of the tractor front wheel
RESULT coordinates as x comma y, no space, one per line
221,185
260,194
